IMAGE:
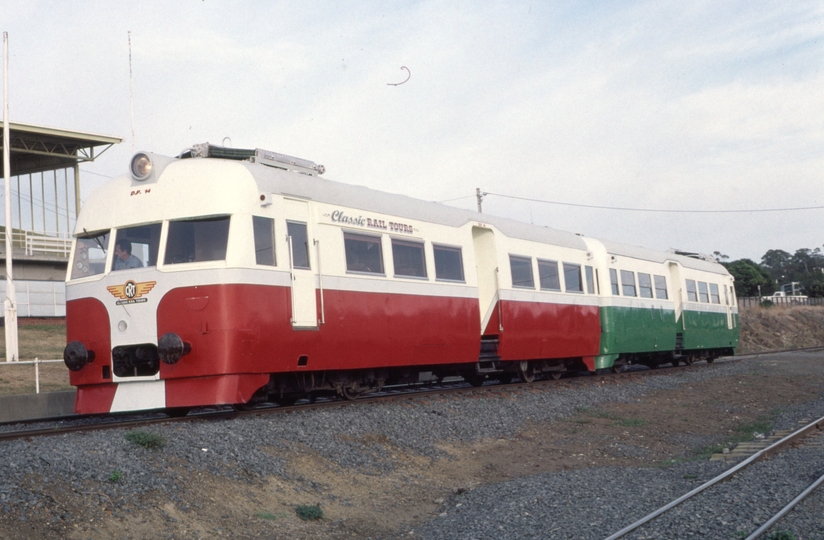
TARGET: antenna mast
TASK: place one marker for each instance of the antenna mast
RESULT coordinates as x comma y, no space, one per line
131,89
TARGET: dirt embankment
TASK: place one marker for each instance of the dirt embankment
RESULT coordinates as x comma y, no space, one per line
770,329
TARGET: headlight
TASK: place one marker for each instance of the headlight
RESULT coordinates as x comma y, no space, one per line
141,166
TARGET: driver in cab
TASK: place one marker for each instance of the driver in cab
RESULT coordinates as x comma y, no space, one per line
123,258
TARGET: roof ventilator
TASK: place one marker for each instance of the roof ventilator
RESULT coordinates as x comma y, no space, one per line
258,155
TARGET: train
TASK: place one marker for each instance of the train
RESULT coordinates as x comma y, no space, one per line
227,276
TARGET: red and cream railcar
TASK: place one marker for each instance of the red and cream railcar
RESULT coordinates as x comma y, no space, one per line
257,279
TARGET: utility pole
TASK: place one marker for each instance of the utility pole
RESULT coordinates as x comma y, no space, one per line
11,299
480,196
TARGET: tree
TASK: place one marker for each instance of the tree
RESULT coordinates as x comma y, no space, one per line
779,264
813,284
748,276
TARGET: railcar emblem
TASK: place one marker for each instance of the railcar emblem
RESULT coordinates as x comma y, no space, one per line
131,292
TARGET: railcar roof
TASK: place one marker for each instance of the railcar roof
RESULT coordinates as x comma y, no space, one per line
370,200
645,254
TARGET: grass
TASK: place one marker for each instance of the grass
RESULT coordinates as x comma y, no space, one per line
43,341
782,535
271,516
115,477
632,422
308,512
152,441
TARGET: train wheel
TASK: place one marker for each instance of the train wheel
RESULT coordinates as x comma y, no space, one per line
525,372
555,375
351,391
688,360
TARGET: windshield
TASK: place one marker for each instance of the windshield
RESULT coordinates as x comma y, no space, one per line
89,258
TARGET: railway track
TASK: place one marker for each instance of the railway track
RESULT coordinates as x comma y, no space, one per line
79,423
63,425
813,431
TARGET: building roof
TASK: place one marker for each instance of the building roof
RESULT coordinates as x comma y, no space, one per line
39,148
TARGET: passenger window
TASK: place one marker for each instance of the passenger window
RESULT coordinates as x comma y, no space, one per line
572,278
197,240
644,285
89,258
299,243
692,292
715,296
548,275
521,268
448,263
136,247
661,288
590,280
628,283
613,280
363,253
264,229
703,294
408,258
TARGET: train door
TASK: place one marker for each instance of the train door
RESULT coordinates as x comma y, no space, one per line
677,292
304,296
486,259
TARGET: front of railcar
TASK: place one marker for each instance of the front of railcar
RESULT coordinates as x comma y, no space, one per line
150,249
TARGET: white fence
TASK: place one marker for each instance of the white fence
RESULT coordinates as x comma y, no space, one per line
38,298
747,302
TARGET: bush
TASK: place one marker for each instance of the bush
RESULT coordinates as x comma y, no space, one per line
152,441
308,512
115,477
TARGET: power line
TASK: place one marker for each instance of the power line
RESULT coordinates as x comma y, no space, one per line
661,210
457,199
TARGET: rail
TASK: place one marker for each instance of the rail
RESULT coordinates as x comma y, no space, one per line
765,453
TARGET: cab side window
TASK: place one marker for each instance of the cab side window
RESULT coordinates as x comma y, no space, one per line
197,240
264,229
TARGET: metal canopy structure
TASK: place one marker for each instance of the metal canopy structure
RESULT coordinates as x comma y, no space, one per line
38,148
35,151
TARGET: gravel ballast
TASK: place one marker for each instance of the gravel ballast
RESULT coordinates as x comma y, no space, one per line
583,503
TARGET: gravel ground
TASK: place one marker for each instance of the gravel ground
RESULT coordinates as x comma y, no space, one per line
550,505
583,503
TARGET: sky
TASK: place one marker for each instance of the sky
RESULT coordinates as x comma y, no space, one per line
678,107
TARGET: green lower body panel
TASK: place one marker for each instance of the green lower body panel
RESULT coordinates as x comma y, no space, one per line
637,330
649,331
704,330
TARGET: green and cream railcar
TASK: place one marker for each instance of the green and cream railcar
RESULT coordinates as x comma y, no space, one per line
659,308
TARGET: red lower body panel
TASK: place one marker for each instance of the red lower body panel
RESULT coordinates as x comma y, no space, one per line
534,330
247,329
223,390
